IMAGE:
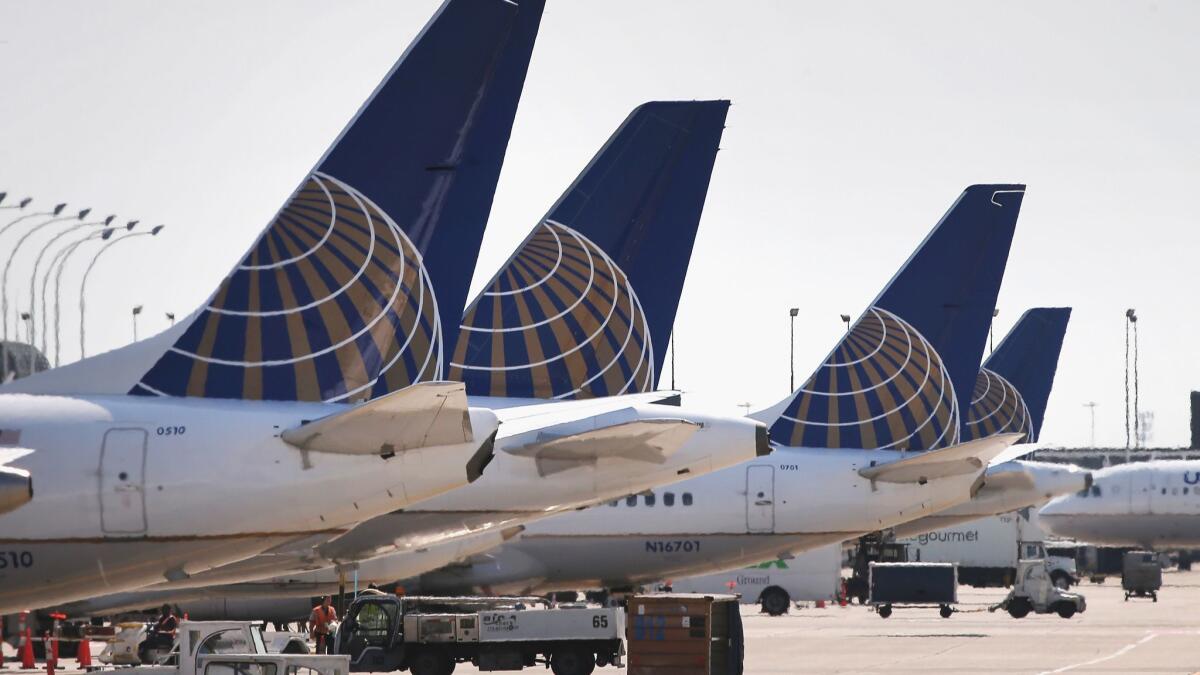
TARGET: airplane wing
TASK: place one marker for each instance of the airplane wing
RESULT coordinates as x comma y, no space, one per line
420,416
651,441
955,460
16,485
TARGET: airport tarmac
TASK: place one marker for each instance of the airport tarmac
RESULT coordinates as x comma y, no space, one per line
1113,636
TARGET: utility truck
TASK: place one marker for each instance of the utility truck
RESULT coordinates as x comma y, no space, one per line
231,648
1035,591
429,635
988,550
775,584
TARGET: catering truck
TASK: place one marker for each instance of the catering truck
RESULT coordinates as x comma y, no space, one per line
776,584
429,635
988,550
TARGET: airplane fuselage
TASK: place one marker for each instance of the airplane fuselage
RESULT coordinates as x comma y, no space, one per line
1150,504
130,490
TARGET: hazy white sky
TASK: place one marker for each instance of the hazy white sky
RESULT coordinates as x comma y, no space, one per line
854,126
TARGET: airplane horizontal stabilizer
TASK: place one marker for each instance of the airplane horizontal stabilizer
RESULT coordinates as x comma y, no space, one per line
955,460
16,485
419,416
650,441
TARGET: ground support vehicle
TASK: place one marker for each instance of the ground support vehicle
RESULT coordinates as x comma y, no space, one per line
1034,591
429,635
987,549
870,549
811,576
229,648
913,585
1141,574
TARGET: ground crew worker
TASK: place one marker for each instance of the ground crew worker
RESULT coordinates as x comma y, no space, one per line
161,634
322,616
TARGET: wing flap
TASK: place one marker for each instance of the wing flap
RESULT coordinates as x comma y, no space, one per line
419,416
955,460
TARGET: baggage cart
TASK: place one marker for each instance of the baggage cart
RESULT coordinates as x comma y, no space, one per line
1141,574
894,585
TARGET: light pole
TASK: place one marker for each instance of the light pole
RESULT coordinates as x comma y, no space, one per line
1091,406
672,352
37,261
88,271
13,254
792,350
1137,422
991,340
19,205
171,318
745,406
53,213
846,320
1130,318
61,260
137,309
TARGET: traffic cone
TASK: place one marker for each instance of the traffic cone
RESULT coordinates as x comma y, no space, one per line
27,651
820,604
84,654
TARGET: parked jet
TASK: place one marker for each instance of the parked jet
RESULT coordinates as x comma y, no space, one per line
1011,392
1153,505
563,318
894,385
172,455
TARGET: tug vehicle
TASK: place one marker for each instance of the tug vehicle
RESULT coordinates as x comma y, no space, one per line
1035,591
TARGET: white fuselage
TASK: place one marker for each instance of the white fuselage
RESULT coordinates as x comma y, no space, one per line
1150,504
793,500
1007,487
131,490
511,492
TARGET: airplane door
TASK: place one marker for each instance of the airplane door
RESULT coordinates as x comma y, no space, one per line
122,482
760,498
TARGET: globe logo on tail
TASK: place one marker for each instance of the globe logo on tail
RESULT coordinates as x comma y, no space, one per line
560,320
884,386
996,407
332,303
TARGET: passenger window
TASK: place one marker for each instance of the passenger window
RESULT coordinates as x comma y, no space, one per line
650,499
669,498
1164,491
1095,490
631,500
687,499
614,503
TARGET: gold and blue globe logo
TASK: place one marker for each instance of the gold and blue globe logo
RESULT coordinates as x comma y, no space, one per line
560,320
884,386
331,304
996,407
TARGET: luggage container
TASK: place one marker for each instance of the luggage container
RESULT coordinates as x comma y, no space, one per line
895,585
1141,574
684,634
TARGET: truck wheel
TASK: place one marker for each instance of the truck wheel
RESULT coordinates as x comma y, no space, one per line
775,601
945,611
1018,608
885,611
431,662
572,661
1066,609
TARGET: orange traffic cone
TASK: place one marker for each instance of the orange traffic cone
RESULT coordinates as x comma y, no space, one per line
84,655
820,604
27,650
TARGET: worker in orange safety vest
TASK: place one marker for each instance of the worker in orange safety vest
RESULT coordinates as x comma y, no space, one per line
319,621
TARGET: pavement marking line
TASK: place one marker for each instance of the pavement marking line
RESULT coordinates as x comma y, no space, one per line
1120,652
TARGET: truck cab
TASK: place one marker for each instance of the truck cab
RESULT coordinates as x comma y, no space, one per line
372,634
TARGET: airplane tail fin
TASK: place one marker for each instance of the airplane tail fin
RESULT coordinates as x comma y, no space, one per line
903,373
352,287
585,305
1013,386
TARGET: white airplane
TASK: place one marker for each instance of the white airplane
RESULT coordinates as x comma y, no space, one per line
1011,393
645,187
1153,505
886,386
173,455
